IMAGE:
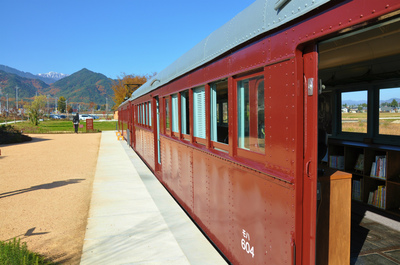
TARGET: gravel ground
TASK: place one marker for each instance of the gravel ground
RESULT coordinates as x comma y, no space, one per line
45,191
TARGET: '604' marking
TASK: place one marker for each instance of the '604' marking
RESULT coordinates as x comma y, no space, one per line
246,243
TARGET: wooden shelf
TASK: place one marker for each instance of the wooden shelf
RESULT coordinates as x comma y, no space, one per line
386,191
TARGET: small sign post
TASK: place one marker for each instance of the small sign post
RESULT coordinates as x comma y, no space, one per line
89,125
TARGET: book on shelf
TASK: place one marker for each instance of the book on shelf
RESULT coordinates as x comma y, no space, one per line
377,198
359,163
378,168
356,194
336,162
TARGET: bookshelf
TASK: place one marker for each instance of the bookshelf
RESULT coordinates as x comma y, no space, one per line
375,172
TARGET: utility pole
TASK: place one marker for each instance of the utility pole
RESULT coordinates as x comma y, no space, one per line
106,107
16,96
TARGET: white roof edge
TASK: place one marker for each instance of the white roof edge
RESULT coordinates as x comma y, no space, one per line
260,17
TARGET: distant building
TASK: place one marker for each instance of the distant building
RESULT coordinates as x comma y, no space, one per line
386,109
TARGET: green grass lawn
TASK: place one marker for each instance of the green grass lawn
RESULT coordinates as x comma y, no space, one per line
15,252
61,126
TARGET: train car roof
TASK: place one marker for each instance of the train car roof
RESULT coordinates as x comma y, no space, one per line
260,17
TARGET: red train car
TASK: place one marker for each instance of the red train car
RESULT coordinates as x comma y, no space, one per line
231,128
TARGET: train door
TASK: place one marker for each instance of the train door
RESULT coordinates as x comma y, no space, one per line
310,127
157,134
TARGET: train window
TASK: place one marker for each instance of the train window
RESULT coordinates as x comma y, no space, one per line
389,122
140,114
174,112
354,111
185,120
149,112
219,112
137,114
143,114
166,113
146,116
250,103
199,112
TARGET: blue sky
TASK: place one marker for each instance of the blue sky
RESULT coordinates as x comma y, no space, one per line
387,94
108,37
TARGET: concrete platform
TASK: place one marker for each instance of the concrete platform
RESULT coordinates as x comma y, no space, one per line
134,220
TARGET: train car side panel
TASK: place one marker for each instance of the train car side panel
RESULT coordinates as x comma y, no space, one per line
185,177
233,204
144,145
280,130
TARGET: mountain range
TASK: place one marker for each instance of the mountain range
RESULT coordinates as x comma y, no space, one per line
52,76
48,78
83,87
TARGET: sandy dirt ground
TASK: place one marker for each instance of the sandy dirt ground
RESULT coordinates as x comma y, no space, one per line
45,192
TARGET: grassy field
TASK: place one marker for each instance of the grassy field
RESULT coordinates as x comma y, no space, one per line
61,126
389,123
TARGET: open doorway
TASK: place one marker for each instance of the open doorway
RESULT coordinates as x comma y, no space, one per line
359,122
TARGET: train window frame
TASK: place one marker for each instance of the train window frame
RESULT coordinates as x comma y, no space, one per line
174,115
373,133
380,138
145,114
255,151
167,119
149,112
351,109
199,114
216,114
136,114
141,114
146,122
389,108
185,114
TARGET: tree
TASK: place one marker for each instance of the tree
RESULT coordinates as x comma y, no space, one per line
125,86
36,108
62,104
91,106
394,103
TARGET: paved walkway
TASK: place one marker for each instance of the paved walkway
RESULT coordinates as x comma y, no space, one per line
134,220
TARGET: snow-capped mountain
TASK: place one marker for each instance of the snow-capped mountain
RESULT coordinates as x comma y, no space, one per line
53,75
